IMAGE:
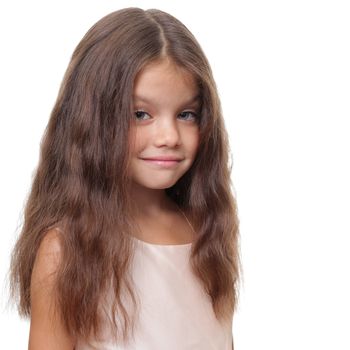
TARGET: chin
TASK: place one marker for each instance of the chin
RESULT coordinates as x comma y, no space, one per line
157,184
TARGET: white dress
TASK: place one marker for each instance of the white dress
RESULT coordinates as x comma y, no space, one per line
175,313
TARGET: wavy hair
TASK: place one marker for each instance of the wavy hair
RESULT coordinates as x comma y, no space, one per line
81,183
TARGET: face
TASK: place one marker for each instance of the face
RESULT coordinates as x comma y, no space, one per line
165,125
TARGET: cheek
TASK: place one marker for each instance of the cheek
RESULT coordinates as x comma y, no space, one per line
137,140
192,150
193,142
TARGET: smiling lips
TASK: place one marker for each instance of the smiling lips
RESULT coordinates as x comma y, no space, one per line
164,158
163,161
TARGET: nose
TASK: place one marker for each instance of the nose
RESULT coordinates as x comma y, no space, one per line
166,133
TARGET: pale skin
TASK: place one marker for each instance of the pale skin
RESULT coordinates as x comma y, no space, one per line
166,127
46,331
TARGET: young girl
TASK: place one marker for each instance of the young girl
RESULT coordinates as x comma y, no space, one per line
130,235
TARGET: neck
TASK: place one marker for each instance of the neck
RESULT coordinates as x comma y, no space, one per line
150,202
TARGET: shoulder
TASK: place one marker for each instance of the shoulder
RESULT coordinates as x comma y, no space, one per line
47,258
47,330
51,243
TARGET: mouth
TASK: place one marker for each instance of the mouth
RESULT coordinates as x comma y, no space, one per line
162,163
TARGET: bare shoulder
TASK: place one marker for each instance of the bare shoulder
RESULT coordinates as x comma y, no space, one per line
47,258
46,327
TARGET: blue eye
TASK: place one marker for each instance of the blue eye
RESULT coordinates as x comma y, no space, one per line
194,115
140,113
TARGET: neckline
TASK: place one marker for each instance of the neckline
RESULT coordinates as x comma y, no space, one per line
161,245
184,245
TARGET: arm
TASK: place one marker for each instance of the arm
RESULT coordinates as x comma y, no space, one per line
46,331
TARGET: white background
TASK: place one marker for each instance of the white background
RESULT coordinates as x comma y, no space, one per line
283,74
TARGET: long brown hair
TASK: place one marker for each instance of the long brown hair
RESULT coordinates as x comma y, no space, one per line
81,183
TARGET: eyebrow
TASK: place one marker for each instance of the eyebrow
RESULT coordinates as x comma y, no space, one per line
195,98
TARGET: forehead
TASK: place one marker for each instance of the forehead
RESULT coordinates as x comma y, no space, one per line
163,77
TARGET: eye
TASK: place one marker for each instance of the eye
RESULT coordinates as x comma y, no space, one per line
139,114
186,115
194,115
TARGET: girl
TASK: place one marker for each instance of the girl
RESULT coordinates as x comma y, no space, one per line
130,235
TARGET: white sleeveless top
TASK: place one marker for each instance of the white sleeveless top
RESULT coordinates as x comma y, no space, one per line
175,313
